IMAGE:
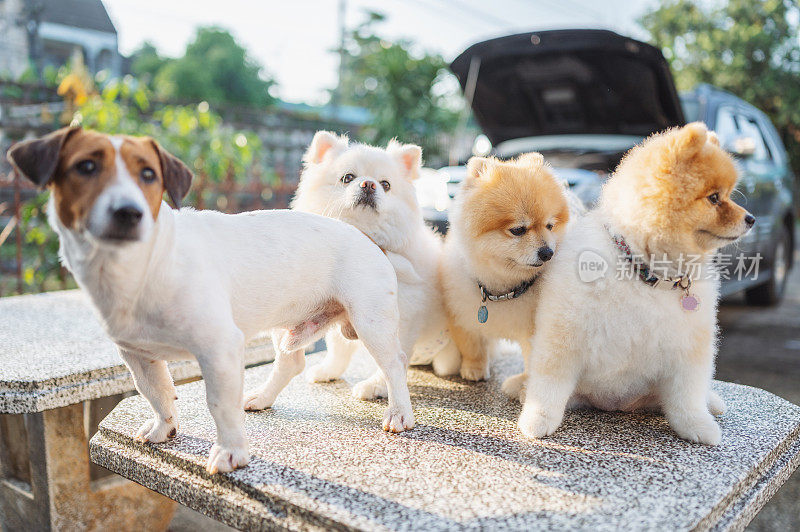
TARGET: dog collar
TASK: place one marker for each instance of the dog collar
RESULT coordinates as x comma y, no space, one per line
689,302
514,293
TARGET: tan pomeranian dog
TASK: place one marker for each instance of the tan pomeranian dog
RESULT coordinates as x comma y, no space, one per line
623,323
505,225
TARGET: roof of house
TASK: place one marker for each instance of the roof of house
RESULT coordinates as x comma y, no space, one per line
87,14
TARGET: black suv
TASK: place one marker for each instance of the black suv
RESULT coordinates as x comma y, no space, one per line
584,97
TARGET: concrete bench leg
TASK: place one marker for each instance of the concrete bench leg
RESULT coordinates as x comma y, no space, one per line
47,482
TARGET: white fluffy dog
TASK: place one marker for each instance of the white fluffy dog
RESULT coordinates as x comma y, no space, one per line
372,189
623,322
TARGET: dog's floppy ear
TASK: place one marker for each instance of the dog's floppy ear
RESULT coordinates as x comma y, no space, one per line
177,176
409,156
322,143
37,159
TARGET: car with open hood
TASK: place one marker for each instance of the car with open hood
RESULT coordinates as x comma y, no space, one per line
584,97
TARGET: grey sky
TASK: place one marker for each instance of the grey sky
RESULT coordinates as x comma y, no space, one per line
293,39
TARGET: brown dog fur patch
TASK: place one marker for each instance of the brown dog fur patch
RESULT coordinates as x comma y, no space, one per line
500,195
75,194
137,154
523,192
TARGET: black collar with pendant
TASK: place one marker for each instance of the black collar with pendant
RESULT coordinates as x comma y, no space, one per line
514,293
511,294
689,302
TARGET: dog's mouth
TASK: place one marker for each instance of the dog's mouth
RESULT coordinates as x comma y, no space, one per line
529,265
366,199
723,238
119,238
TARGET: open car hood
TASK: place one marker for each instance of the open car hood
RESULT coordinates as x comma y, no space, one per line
568,82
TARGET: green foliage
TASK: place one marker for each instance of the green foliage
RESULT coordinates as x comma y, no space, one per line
748,47
42,270
42,267
411,95
193,133
146,62
214,68
29,75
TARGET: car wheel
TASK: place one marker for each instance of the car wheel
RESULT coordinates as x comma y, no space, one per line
771,292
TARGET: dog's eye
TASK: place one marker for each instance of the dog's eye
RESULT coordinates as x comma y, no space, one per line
87,167
714,198
148,175
518,231
386,186
346,178
549,227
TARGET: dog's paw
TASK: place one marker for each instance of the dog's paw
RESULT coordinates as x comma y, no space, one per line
396,420
321,373
514,387
157,430
254,402
475,373
700,428
370,389
715,404
536,423
226,459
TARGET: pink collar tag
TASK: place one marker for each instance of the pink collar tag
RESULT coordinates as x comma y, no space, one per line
689,302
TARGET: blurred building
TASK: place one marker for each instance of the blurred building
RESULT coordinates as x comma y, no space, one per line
49,32
13,39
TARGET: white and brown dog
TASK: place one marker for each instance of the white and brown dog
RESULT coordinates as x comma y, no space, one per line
174,284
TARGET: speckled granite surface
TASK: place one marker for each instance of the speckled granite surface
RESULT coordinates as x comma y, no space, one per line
54,353
320,460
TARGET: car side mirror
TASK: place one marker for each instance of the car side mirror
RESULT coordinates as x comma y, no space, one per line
742,146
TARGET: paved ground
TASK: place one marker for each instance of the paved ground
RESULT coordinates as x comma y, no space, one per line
759,347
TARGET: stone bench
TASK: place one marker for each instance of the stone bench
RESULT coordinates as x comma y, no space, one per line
59,375
321,461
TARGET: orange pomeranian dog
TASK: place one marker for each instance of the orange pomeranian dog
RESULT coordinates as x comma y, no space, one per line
638,329
505,227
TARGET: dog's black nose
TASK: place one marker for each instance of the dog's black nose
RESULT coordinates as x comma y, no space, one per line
127,216
369,186
545,253
749,220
